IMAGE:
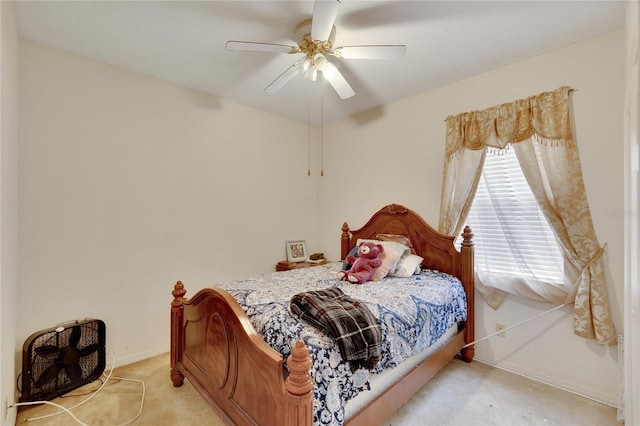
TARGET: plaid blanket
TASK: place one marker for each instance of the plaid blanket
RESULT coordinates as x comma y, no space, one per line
348,320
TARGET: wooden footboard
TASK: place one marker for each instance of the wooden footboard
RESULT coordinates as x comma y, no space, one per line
242,378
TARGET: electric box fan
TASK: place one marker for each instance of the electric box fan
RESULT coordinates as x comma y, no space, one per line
58,360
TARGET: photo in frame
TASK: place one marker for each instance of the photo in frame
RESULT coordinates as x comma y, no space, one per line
296,251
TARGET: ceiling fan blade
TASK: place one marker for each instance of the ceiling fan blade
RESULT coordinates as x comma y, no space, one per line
324,15
252,46
388,51
337,80
282,79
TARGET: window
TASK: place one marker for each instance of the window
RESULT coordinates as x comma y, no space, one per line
527,248
512,236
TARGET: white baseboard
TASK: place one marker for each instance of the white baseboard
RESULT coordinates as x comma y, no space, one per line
121,361
571,387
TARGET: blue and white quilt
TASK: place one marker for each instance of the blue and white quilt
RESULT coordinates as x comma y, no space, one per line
413,313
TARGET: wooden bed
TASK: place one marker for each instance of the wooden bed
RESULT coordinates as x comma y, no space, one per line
214,345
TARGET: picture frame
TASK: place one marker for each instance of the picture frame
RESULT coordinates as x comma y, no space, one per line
296,250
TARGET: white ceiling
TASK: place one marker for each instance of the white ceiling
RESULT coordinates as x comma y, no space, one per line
183,42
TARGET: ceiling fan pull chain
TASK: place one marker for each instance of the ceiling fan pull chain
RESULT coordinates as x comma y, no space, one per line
322,126
309,136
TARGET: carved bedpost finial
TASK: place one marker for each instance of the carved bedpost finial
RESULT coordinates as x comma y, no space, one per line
344,241
178,293
467,237
299,380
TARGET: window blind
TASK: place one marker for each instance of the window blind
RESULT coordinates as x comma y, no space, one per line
512,236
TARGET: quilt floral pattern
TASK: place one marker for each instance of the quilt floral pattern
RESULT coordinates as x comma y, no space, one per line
413,313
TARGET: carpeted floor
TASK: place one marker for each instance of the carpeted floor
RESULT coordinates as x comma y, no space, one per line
461,394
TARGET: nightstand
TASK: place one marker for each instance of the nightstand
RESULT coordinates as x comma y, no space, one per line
286,266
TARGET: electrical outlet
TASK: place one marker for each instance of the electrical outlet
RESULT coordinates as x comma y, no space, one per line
5,409
500,330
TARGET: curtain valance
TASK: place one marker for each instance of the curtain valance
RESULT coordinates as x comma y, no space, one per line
545,115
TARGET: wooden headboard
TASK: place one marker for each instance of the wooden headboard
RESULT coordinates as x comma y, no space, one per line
437,250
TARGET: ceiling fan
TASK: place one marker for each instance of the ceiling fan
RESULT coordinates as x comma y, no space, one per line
314,38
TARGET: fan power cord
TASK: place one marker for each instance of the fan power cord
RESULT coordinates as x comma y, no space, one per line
516,324
68,410
65,409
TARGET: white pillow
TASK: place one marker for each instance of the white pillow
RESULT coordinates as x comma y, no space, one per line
408,266
393,253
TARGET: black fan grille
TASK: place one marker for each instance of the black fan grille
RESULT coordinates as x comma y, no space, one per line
56,362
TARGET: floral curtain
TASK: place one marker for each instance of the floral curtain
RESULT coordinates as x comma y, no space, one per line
552,169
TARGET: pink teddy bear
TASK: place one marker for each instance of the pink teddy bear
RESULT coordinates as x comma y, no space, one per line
363,266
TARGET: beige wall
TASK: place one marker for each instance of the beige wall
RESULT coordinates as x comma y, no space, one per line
128,184
8,209
395,154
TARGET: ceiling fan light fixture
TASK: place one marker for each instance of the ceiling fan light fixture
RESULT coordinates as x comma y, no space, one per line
319,61
303,64
329,71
